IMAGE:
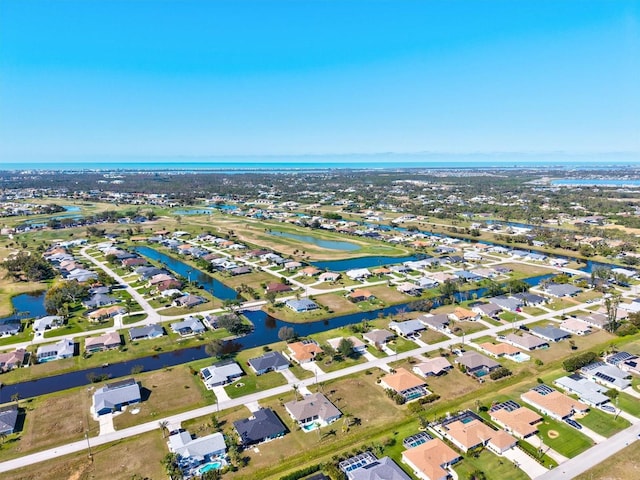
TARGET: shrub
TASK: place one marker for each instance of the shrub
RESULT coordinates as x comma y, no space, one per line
499,373
575,363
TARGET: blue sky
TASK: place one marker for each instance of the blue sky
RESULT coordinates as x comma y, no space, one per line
154,78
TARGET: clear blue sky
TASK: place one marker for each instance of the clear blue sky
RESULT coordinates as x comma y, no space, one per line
87,77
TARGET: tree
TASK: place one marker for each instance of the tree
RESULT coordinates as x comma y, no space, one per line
287,333
163,424
494,288
171,466
233,324
345,348
517,286
215,348
449,289
611,303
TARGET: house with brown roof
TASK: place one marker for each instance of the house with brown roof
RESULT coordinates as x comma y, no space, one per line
277,287
553,403
106,312
310,271
502,350
378,336
463,314
520,421
470,432
303,351
526,341
360,295
405,383
430,460
106,341
11,360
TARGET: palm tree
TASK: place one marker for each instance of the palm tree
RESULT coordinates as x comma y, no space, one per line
3,437
164,424
16,398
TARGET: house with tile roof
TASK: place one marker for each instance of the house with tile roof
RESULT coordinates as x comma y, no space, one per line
313,409
303,351
431,460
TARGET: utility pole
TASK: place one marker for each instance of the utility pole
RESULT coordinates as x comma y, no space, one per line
86,436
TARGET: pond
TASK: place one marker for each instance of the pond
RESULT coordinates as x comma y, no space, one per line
308,239
210,284
27,305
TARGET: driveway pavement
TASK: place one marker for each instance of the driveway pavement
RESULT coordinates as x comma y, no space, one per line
528,465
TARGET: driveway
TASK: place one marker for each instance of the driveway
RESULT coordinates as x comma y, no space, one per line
106,424
312,367
289,376
221,394
537,442
527,464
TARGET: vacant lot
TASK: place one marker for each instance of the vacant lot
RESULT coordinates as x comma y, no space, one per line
51,420
562,349
388,294
164,392
114,461
336,302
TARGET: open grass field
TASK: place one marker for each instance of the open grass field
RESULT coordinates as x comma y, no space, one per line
336,302
117,460
491,465
603,423
164,392
624,465
251,383
564,439
51,420
524,270
388,294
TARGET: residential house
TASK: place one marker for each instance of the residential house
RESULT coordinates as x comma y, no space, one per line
408,328
8,419
189,301
550,333
360,295
358,274
515,419
113,396
431,460
99,300
106,312
302,305
46,323
439,322
240,271
509,304
553,403
220,373
359,346
310,271
276,287
575,326
589,392
147,332
270,361
598,320
10,327
193,452
171,284
433,367
311,410
303,351
65,348
470,432
562,290
410,289
608,375
490,309
625,362
378,336
530,299
106,341
476,363
405,383
329,277
464,315
189,326
500,350
367,467
525,341
263,426
11,360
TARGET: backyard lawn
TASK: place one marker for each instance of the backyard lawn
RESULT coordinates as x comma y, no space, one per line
603,423
562,438
491,465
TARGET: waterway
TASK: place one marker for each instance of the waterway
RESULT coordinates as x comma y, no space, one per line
597,182
210,284
328,244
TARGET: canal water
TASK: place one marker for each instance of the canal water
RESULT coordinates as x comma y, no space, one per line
210,284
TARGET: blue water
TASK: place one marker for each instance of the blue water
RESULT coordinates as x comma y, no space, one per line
27,305
71,208
200,211
597,182
210,466
39,221
361,262
329,244
210,284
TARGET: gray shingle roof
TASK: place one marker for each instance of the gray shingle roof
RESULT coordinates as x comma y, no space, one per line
264,424
270,360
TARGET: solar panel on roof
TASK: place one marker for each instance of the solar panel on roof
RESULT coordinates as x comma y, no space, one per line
605,377
543,389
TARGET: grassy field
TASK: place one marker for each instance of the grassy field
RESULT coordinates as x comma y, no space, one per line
164,392
252,383
624,465
492,466
117,460
603,423
564,439
49,421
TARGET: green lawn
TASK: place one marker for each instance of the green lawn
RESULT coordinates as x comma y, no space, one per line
628,403
400,345
253,383
493,467
569,441
603,423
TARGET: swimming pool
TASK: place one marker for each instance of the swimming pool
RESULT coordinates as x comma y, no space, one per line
309,427
520,357
217,465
